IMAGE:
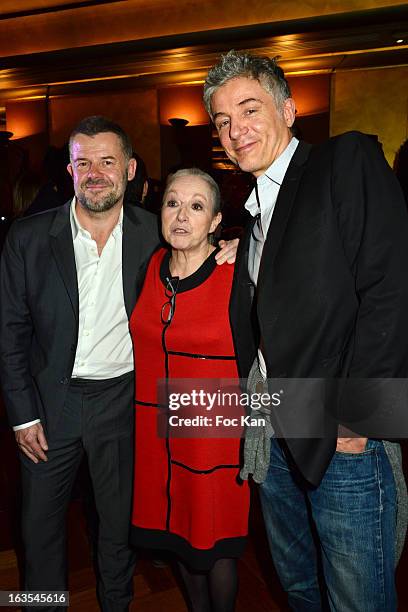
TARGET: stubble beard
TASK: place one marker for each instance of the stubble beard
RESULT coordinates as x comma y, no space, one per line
101,205
105,203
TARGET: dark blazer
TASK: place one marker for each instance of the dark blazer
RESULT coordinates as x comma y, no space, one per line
39,307
332,295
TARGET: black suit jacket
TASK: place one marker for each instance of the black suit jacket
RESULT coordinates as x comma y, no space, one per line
332,294
39,307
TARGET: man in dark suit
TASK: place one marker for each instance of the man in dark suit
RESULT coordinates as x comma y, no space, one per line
68,287
320,292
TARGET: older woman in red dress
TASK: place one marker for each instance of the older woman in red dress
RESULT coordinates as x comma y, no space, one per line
188,498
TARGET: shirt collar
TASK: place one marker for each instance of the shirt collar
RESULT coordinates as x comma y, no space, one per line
272,177
76,227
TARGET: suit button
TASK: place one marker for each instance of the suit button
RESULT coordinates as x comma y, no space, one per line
64,381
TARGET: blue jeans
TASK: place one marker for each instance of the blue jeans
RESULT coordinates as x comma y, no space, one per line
346,526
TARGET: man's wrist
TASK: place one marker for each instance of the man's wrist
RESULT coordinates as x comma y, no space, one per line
25,425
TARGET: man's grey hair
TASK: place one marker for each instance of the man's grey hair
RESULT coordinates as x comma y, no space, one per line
215,191
238,64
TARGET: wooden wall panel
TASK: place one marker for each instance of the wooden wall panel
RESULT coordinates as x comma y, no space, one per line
372,101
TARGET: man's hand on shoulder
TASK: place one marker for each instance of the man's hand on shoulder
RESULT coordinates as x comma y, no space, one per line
32,442
228,251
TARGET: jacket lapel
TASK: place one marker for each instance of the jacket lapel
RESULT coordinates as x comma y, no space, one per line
243,247
241,276
283,207
131,256
63,250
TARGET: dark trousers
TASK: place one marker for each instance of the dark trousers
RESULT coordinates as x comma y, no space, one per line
97,419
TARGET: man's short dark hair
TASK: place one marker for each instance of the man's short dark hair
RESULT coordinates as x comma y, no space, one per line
97,124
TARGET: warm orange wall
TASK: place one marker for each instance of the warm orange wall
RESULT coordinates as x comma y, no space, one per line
138,19
311,94
139,112
135,111
185,102
26,117
372,101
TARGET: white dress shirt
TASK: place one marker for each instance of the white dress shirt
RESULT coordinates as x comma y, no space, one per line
104,347
268,186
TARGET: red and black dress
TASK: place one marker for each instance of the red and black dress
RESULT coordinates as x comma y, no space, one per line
188,498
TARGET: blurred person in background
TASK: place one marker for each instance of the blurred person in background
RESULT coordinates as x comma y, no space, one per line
138,187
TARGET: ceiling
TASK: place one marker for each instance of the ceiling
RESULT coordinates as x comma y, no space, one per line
11,8
309,45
